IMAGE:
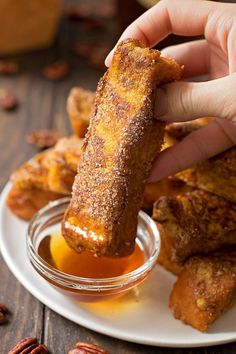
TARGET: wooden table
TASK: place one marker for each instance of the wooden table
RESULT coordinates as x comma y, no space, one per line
42,105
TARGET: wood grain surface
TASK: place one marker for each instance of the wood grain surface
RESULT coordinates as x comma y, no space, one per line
42,105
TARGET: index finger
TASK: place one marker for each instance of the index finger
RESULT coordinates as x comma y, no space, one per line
181,17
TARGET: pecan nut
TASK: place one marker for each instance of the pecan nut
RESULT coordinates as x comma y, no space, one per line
28,346
3,313
88,348
83,49
92,25
78,11
8,67
57,70
7,100
43,138
97,57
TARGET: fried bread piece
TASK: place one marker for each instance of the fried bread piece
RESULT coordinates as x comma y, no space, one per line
33,173
122,141
193,223
169,186
47,176
216,175
80,104
69,149
26,202
205,289
63,167
172,185
175,132
52,170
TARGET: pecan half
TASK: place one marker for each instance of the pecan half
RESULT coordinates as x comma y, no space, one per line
97,57
7,100
57,70
43,138
8,67
81,11
83,49
3,312
92,25
28,346
78,11
95,53
88,348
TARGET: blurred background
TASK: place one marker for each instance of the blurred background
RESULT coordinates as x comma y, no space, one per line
29,25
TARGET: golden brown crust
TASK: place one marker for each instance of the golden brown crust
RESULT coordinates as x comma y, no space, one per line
216,175
33,173
123,139
175,132
26,202
197,222
169,186
63,166
165,258
80,105
52,170
47,176
205,289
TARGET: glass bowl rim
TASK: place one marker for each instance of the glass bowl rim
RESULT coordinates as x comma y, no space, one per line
84,283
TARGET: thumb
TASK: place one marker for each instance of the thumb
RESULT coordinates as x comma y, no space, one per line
182,101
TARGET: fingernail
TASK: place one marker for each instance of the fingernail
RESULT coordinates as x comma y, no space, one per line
161,103
108,59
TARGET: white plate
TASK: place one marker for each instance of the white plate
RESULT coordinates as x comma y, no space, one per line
141,316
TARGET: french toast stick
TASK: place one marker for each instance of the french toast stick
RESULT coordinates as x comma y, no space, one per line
80,105
193,223
172,185
168,186
25,202
216,174
63,167
122,141
205,289
34,172
51,170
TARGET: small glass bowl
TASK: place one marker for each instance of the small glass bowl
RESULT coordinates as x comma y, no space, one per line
48,221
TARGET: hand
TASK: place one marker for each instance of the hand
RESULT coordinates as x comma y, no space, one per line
214,56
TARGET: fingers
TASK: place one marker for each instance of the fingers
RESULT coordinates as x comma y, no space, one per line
193,55
182,101
169,16
199,145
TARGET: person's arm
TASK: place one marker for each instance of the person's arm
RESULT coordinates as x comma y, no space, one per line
214,56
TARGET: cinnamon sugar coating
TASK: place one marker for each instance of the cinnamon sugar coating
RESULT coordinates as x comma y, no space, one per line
168,186
216,174
25,202
205,289
122,140
33,173
80,105
51,170
63,166
47,176
193,223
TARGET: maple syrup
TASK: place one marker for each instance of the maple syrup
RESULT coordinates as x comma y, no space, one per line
55,251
